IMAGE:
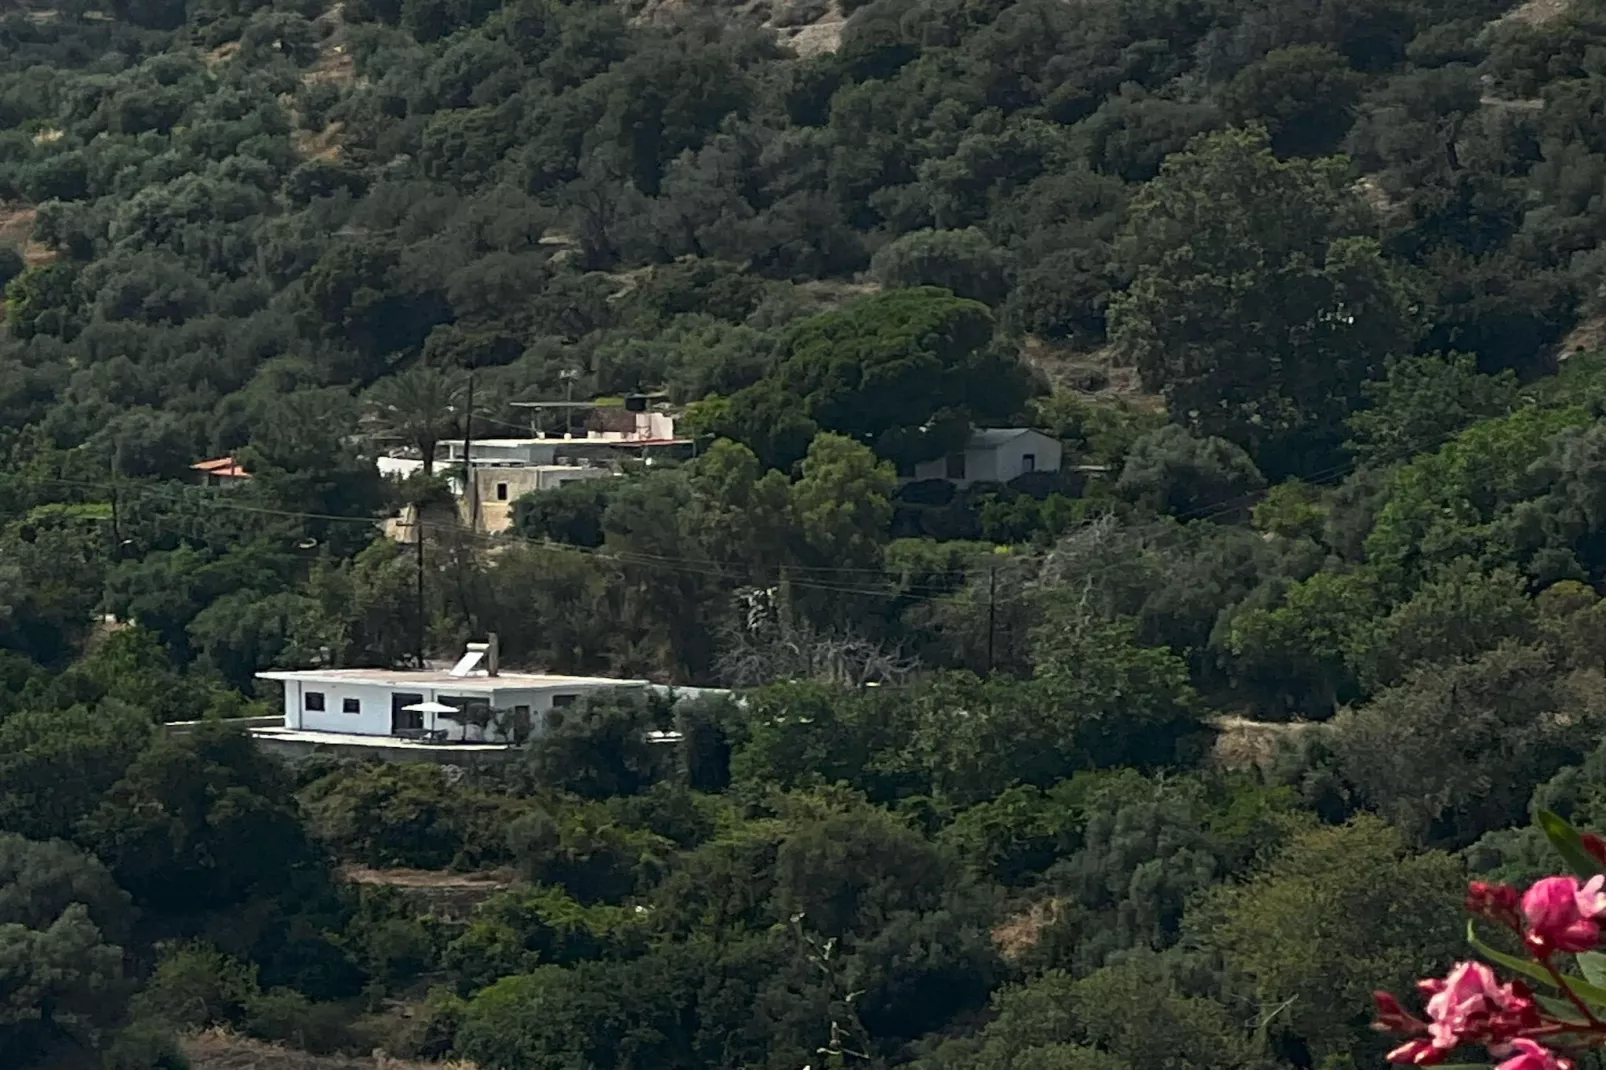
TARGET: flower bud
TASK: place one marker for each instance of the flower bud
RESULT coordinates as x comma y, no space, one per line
1498,903
1393,1018
1595,845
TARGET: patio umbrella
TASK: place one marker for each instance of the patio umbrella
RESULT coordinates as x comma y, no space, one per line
435,709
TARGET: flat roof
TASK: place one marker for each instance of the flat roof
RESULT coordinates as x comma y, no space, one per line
504,442
440,680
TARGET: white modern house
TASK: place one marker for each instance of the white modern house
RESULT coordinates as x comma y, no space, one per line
996,455
492,707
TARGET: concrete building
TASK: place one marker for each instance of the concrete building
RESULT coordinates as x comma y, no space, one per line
497,488
996,455
506,469
371,706
373,702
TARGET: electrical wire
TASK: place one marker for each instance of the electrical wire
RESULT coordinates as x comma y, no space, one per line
803,577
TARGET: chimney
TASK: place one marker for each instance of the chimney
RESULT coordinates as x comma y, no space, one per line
493,653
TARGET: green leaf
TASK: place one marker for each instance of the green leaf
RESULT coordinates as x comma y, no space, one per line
1593,966
1565,839
1511,962
1594,995
1561,1010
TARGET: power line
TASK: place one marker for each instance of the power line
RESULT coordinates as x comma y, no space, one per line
796,576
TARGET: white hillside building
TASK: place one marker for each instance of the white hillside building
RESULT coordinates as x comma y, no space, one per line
323,705
996,455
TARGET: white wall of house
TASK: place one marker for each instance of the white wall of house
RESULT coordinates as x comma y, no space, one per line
1029,451
498,488
364,709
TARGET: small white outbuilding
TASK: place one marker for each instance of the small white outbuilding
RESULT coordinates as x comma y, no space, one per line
996,455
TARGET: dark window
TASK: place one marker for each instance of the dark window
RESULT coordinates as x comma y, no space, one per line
956,466
351,705
314,701
501,492
1028,462
404,720
560,702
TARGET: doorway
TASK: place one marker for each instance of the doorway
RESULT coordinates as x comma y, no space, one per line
405,720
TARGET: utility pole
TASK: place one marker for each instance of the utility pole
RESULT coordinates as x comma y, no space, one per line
418,537
568,375
468,463
992,613
117,526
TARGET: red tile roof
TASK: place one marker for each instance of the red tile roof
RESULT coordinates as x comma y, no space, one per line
223,467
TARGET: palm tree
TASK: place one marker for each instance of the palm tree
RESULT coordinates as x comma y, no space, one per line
421,406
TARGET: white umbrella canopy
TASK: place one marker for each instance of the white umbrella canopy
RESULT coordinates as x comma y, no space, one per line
438,709
430,707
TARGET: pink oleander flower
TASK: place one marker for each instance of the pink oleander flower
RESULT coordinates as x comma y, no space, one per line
1561,915
1470,1006
1417,1053
1528,1054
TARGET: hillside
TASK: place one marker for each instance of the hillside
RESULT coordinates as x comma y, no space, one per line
1128,471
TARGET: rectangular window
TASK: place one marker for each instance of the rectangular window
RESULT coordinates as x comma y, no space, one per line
313,700
561,702
403,719
501,492
956,466
1028,462
351,705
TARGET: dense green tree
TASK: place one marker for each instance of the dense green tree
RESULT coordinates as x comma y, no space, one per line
598,747
1304,95
57,765
64,984
1257,305
1450,752
881,370
963,261
199,821
1275,928
1422,402
1171,471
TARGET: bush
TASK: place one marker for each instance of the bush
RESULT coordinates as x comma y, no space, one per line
405,814
195,986
963,261
431,1033
1171,471
285,1016
146,1046
927,492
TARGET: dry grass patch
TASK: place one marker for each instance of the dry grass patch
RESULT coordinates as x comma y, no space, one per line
323,145
1019,933
1537,12
217,1049
1244,744
16,228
